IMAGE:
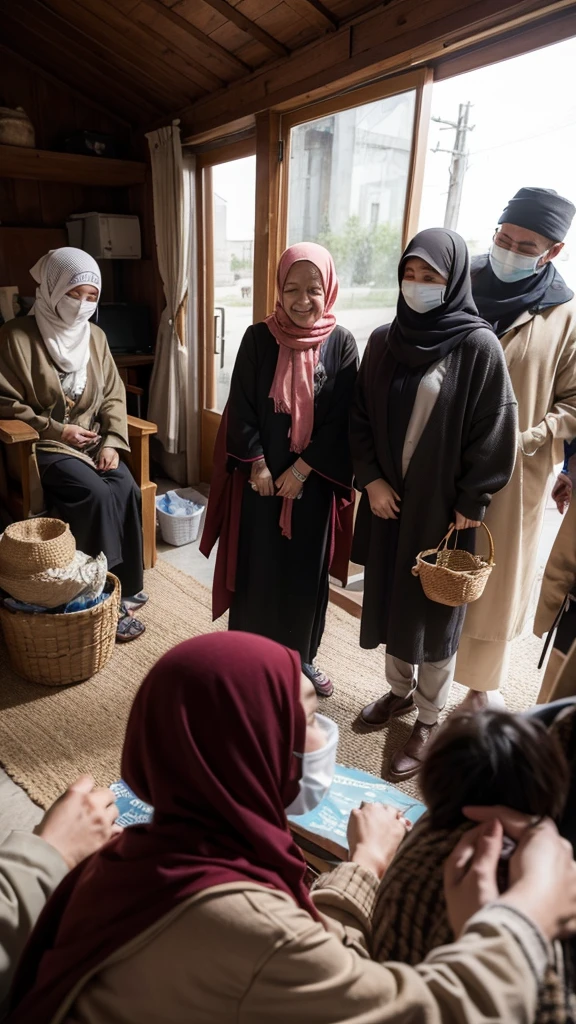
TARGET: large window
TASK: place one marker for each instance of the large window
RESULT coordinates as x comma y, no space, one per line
347,181
521,131
233,189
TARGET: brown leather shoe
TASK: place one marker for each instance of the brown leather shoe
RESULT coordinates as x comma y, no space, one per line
408,760
379,712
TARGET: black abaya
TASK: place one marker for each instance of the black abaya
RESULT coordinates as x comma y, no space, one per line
282,585
103,510
464,455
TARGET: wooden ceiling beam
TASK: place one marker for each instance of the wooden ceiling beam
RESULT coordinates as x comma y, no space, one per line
250,27
119,54
153,43
392,39
186,26
330,19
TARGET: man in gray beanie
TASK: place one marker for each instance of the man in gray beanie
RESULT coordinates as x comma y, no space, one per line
521,294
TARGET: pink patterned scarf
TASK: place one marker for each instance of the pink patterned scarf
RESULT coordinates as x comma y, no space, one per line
293,384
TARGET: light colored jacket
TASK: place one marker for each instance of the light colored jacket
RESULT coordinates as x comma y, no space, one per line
30,870
30,388
243,954
541,357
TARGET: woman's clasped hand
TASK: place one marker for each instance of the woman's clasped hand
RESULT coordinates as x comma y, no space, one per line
287,485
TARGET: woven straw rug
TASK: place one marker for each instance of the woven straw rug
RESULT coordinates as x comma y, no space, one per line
49,736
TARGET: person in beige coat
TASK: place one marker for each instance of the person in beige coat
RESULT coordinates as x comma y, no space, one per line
204,914
518,290
58,376
559,580
32,865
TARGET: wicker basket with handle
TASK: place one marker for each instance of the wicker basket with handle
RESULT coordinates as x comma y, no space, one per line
452,576
56,650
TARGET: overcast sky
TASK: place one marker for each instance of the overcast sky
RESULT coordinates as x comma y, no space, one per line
524,113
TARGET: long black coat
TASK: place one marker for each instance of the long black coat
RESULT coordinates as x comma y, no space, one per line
282,585
465,454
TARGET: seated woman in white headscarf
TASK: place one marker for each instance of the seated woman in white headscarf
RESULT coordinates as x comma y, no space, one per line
57,374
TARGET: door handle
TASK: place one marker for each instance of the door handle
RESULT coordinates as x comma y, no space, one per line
220,333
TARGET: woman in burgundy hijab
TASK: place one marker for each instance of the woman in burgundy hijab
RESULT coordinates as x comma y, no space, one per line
210,744
285,437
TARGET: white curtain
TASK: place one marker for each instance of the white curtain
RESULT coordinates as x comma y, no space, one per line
172,402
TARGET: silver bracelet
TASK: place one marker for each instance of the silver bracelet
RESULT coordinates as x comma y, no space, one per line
299,476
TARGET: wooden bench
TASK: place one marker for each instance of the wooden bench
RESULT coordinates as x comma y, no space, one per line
15,486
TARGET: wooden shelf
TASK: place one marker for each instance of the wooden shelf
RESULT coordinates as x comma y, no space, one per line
43,165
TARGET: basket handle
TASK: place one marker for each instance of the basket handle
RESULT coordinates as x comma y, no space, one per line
444,542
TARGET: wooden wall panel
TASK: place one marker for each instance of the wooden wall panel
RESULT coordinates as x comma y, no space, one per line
33,214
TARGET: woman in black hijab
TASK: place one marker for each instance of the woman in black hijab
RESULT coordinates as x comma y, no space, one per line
433,435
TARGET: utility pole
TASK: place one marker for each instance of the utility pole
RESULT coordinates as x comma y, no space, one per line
458,163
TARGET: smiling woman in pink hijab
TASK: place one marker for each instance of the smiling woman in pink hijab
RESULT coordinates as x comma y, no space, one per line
283,452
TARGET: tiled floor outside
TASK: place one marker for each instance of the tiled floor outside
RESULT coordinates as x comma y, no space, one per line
17,811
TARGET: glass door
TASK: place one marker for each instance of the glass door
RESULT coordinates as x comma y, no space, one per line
227,184
349,174
354,170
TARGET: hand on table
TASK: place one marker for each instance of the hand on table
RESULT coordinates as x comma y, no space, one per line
77,437
562,492
108,459
375,832
261,479
80,821
384,502
461,523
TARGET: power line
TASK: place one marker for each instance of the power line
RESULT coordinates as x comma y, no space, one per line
524,138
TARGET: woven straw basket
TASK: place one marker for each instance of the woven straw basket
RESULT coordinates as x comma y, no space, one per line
33,545
55,650
452,576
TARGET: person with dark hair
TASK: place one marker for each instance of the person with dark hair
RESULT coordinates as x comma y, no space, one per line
519,291
493,758
433,437
475,760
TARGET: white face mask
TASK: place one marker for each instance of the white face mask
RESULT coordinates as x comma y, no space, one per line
423,297
318,768
75,311
512,266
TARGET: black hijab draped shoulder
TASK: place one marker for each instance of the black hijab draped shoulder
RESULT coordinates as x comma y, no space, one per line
419,339
465,453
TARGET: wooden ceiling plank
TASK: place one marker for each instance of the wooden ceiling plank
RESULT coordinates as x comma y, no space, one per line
34,14
186,26
50,77
93,27
316,7
152,42
248,26
61,40
72,72
373,47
